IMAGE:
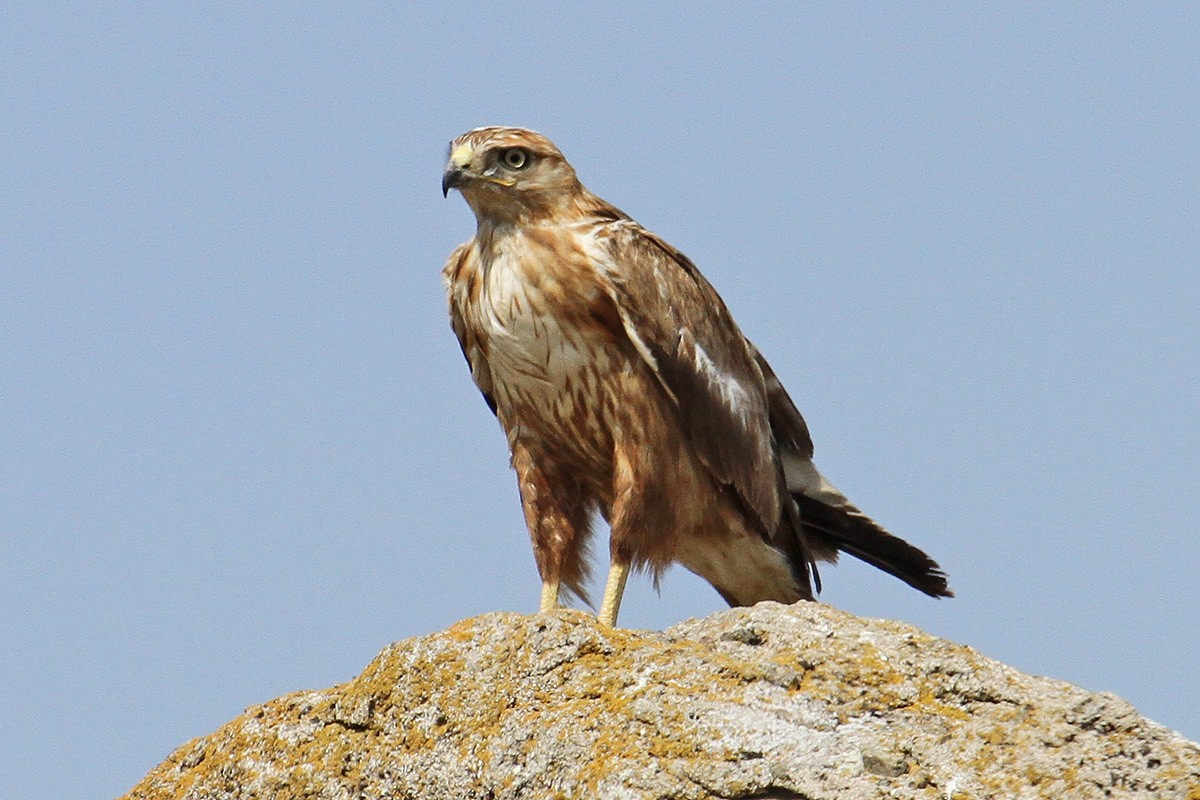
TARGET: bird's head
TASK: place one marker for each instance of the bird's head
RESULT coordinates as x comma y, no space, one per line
511,175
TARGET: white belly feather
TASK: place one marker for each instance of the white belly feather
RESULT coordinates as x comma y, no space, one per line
541,364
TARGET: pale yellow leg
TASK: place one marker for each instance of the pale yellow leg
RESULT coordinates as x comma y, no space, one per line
617,575
549,596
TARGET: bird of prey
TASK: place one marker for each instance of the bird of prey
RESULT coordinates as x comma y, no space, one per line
624,387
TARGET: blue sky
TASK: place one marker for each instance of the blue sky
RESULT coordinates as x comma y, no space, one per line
240,452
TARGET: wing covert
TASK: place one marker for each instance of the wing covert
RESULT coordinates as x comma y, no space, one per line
684,332
461,276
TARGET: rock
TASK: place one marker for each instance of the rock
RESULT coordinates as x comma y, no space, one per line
773,701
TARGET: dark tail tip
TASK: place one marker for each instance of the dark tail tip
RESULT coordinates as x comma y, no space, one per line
853,532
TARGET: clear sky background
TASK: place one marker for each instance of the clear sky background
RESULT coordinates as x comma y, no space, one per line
240,451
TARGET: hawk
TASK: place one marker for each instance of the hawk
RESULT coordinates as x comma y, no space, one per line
624,387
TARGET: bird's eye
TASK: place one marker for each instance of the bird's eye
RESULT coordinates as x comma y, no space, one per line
514,158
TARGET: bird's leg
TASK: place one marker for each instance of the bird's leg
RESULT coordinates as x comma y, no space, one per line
549,596
628,522
618,573
557,522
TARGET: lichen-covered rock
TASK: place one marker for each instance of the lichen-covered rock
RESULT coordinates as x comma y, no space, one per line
767,702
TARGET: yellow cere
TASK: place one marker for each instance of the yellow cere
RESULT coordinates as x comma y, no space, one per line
462,155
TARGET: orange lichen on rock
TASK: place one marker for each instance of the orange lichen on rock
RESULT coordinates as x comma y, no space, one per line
770,701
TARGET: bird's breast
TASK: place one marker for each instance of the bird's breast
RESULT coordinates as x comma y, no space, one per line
551,339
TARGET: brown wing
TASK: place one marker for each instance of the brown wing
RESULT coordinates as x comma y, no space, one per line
788,426
687,336
462,280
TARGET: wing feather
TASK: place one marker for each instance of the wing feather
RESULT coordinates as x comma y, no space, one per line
684,332
787,425
461,274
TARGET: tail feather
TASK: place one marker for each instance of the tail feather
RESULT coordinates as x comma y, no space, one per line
832,523
828,521
849,530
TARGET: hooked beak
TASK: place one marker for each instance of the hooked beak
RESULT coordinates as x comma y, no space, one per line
456,168
452,177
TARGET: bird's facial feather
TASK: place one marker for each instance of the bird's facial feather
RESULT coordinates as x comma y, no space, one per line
506,173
